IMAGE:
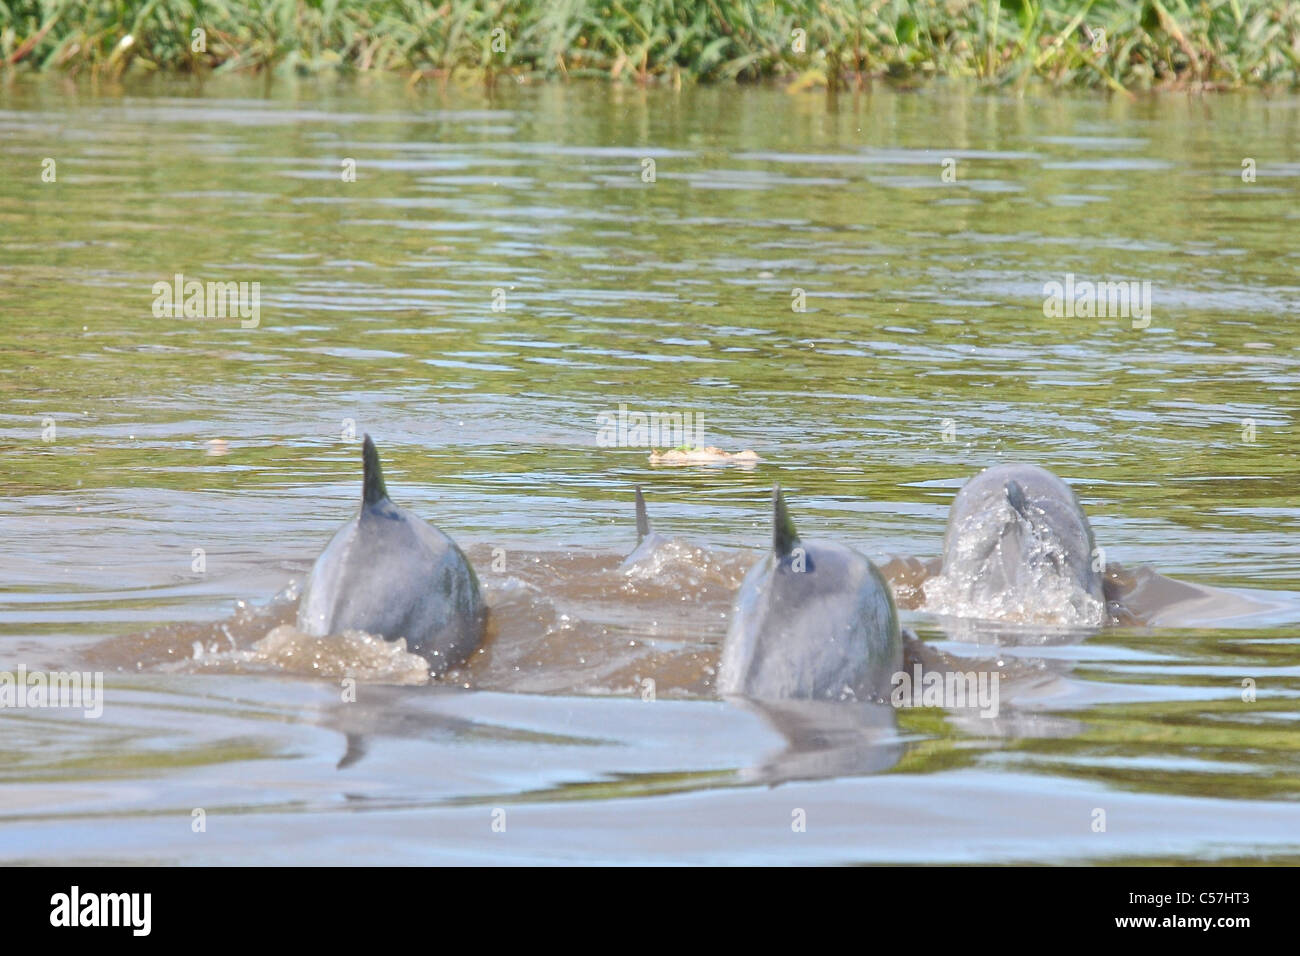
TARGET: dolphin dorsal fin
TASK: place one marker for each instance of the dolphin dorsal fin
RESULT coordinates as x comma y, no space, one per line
1016,498
642,519
372,484
784,538
356,749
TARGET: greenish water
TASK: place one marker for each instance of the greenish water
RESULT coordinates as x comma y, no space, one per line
924,354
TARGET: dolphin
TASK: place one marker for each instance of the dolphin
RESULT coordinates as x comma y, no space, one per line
1018,546
812,620
389,573
647,540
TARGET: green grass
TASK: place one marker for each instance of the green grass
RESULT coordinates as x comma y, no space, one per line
1116,44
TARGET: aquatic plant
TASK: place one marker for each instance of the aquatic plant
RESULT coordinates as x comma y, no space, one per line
1117,44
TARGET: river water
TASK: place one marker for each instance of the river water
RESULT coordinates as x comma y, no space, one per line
503,269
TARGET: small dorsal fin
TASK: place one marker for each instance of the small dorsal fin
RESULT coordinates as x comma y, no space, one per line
642,519
784,538
1016,498
356,749
372,484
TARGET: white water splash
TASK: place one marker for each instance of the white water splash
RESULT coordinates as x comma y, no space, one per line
1005,568
285,649
677,563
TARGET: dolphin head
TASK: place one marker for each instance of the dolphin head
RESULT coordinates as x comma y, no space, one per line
1018,546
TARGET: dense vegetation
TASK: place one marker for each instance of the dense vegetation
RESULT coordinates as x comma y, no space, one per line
1130,44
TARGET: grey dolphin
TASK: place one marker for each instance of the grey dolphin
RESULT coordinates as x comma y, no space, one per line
389,573
811,620
647,540
1018,545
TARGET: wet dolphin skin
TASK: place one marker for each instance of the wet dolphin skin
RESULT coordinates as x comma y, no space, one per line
389,573
1018,546
812,620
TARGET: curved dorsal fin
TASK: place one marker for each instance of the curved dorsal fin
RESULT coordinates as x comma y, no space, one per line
356,749
784,538
642,519
372,483
1016,498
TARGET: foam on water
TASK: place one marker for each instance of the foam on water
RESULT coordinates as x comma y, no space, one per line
678,564
285,649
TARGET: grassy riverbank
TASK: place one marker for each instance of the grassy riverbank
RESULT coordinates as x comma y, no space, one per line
1116,44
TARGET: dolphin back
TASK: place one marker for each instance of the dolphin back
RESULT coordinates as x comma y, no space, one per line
396,576
391,574
811,620
829,631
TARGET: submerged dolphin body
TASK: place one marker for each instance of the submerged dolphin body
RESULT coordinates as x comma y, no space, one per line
388,573
812,620
1018,546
